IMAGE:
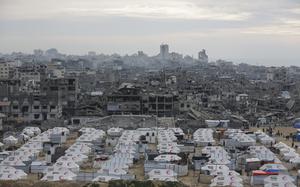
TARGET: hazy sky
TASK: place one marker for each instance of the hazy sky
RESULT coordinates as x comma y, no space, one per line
253,31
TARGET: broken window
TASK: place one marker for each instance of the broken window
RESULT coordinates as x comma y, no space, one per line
36,116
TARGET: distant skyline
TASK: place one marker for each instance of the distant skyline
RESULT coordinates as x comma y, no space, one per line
255,32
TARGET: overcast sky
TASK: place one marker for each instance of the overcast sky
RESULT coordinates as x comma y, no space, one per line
257,31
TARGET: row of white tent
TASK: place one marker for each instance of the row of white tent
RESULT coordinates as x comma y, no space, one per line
46,136
203,137
124,152
218,155
217,166
288,153
28,152
263,154
29,132
264,139
10,173
239,138
115,131
229,178
10,141
66,167
168,148
167,142
281,180
26,134
90,135
223,176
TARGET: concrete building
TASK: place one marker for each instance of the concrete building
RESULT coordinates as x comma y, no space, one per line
202,56
61,90
31,108
160,104
9,87
164,51
127,100
6,68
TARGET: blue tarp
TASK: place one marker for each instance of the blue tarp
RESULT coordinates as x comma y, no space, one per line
273,170
297,125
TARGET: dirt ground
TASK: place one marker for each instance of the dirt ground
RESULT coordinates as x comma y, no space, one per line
286,131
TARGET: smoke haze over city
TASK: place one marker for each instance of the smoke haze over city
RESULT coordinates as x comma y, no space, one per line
256,32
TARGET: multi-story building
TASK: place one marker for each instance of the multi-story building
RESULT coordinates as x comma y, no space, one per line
127,100
164,51
9,87
62,90
30,108
130,100
202,56
6,68
30,76
160,104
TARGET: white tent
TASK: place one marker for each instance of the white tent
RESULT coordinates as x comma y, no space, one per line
231,179
213,168
284,184
167,158
71,165
115,131
10,140
226,180
226,183
113,165
162,172
295,160
59,176
113,171
79,148
280,145
13,161
290,155
162,175
278,179
78,160
225,172
263,154
10,173
31,131
203,137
